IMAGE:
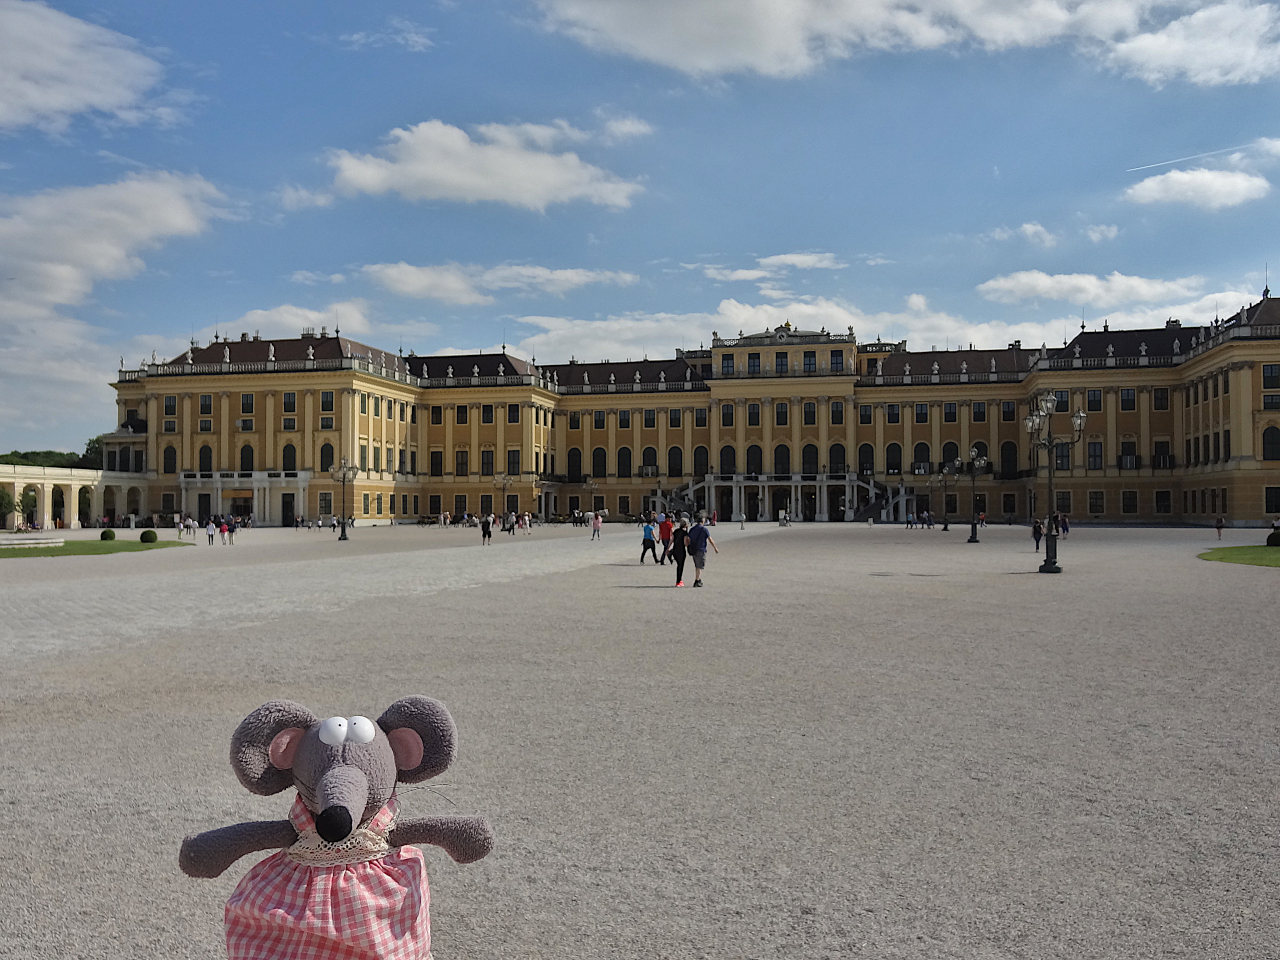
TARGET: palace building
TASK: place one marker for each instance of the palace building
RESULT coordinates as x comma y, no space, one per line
1180,424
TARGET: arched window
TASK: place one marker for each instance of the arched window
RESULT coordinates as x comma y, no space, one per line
675,462
575,463
920,459
1271,443
206,459
289,458
836,459
893,458
809,459
701,462
170,460
728,459
599,459
1008,459
326,457
755,460
649,459
624,461
950,451
981,448
866,459
782,458
246,458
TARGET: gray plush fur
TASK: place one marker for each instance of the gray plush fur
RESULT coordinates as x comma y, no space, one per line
279,745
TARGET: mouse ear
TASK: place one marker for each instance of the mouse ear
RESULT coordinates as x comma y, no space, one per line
422,737
263,746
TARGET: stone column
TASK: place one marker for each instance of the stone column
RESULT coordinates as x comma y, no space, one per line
44,503
224,436
308,459
662,443
1110,400
526,436
611,421
1242,445
71,507
740,435
270,456
450,458
766,436
153,435
349,433
188,428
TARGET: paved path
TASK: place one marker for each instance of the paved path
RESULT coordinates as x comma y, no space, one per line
855,742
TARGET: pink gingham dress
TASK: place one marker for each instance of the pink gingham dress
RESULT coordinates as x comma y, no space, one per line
371,906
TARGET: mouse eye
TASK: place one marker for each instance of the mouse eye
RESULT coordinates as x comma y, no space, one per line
333,731
360,730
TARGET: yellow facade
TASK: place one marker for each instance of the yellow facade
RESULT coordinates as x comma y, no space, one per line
1181,425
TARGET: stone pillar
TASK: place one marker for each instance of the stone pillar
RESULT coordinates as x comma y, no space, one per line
662,444
270,455
307,455
766,437
1242,445
153,434
188,429
450,415
223,460
71,507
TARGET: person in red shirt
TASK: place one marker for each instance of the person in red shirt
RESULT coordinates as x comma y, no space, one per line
665,526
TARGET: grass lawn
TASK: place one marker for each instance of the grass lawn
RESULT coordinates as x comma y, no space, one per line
88,548
1255,556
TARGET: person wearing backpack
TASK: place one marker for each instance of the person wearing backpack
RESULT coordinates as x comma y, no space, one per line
696,541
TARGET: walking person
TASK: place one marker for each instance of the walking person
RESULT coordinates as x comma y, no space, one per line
597,524
679,551
696,541
1037,531
649,542
486,530
1218,524
665,529
223,530
1064,525
211,528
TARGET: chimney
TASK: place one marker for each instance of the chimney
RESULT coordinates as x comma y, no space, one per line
308,333
1172,324
244,337
324,332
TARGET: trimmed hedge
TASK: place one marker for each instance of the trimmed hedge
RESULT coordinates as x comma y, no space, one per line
107,534
148,536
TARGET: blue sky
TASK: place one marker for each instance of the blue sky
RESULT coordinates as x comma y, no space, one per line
615,178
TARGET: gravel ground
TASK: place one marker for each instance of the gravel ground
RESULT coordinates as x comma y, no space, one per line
855,742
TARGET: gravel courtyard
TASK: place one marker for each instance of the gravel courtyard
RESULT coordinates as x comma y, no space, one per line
855,742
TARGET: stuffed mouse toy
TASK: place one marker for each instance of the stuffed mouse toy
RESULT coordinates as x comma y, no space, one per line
346,883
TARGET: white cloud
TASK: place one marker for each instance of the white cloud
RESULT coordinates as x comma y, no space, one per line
54,67
299,198
509,164
470,284
1101,232
1086,289
311,278
770,268
398,32
1207,189
803,261
1032,232
56,246
618,129
1230,42
728,275
288,320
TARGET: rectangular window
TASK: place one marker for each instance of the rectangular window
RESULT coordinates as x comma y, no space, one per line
206,426
979,411
1063,401
1164,501
726,364
377,412
1009,504
1093,400
1097,502
1226,444
513,413
893,413
290,402
1271,499
1217,447
379,504
377,459
365,504
364,404
1271,401
413,413
575,420
753,363
415,503
437,415
624,419
699,416
413,468
1226,388
650,419
948,413
624,505
171,406
1095,455
1062,457
922,413
326,504
171,426
1271,376
810,413
726,414
1128,501
673,418
837,361
513,462
779,363
780,414
436,463
1064,500
433,504
1160,398
1215,386
1008,411
245,425
326,423
1195,451
1128,398
837,412
753,414
486,463
460,466
246,403
810,361
486,504
864,414
401,415
289,423
326,401
391,500
461,413
459,504
597,419
206,404
486,413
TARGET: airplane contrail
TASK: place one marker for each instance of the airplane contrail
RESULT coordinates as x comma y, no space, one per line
1197,156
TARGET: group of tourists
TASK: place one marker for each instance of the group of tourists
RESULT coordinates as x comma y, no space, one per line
510,523
679,541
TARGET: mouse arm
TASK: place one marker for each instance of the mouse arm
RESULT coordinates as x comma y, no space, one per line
208,854
465,839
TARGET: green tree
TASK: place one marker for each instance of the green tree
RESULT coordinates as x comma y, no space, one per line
92,457
6,505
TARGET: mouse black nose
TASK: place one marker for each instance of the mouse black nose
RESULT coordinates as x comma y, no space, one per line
334,824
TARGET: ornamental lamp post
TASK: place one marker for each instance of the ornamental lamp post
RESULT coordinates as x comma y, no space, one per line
976,464
344,473
1039,424
948,473
504,481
